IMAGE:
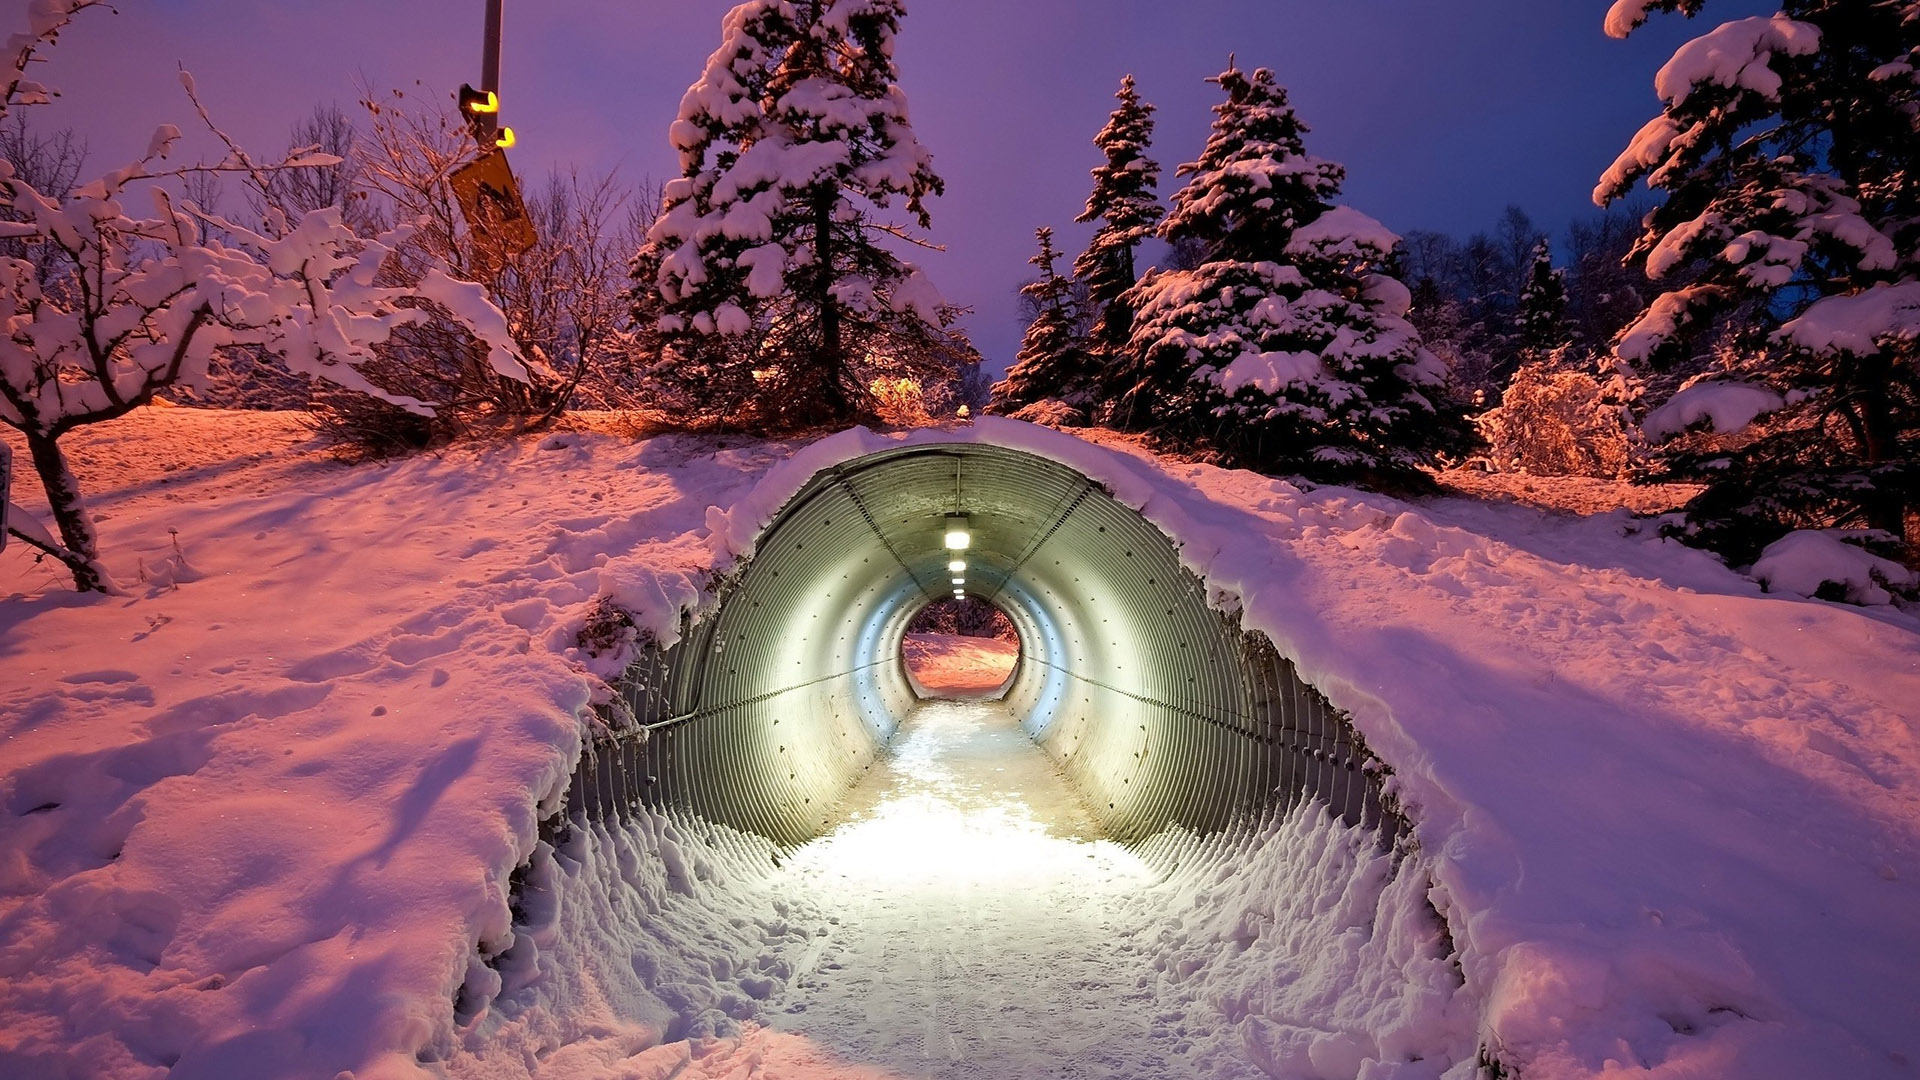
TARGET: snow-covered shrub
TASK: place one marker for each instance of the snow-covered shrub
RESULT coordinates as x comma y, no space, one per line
564,297
967,617
1833,564
1053,412
362,426
1555,421
900,402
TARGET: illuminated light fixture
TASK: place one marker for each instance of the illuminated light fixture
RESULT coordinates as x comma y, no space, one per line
957,566
959,594
959,581
478,102
958,535
506,139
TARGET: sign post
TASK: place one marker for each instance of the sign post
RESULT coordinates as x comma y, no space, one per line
488,195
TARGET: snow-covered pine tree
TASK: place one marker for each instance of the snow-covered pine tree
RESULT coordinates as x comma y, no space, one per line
1788,149
1255,183
1288,350
772,284
1544,326
1125,204
1053,366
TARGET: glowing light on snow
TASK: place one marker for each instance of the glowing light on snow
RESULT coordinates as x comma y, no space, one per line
942,828
958,534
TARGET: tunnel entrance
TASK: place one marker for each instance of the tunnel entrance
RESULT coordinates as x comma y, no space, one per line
960,646
779,695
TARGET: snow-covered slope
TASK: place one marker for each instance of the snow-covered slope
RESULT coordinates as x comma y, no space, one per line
959,666
256,817
255,824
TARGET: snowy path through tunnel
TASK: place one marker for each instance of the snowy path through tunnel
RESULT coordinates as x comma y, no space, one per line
970,899
777,696
986,873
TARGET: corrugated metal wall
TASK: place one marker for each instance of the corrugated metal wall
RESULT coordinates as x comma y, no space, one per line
1158,708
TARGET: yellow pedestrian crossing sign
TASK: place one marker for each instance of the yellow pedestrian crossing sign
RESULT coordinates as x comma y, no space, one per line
490,199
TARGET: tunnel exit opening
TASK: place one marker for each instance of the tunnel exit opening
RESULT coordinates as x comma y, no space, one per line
960,647
784,690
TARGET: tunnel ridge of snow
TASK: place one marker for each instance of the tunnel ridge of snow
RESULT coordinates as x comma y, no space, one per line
1671,822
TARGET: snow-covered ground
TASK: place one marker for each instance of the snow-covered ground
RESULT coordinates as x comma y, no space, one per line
1579,495
257,817
953,665
968,920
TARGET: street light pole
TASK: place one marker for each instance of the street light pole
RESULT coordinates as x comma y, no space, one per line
490,57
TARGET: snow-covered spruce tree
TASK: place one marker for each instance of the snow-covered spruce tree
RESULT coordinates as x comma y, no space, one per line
771,286
1288,349
1544,326
1788,149
1053,368
1125,204
120,307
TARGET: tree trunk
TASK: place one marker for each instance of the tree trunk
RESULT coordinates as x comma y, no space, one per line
834,405
1885,505
69,512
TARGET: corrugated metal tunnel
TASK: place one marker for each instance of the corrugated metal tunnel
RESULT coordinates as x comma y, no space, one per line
1157,707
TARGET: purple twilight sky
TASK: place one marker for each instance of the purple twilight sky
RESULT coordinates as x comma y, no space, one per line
1443,113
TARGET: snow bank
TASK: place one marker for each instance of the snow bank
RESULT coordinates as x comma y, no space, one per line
261,824
646,942
1803,562
1295,944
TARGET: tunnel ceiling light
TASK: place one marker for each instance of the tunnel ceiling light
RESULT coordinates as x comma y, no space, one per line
958,534
959,581
957,566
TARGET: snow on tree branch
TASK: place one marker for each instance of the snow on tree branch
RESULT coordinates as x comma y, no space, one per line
1736,54
45,20
1861,323
1726,407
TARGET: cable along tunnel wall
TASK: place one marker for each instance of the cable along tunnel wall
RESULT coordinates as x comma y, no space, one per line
1156,706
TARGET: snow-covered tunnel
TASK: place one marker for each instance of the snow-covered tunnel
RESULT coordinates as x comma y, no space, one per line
782,690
